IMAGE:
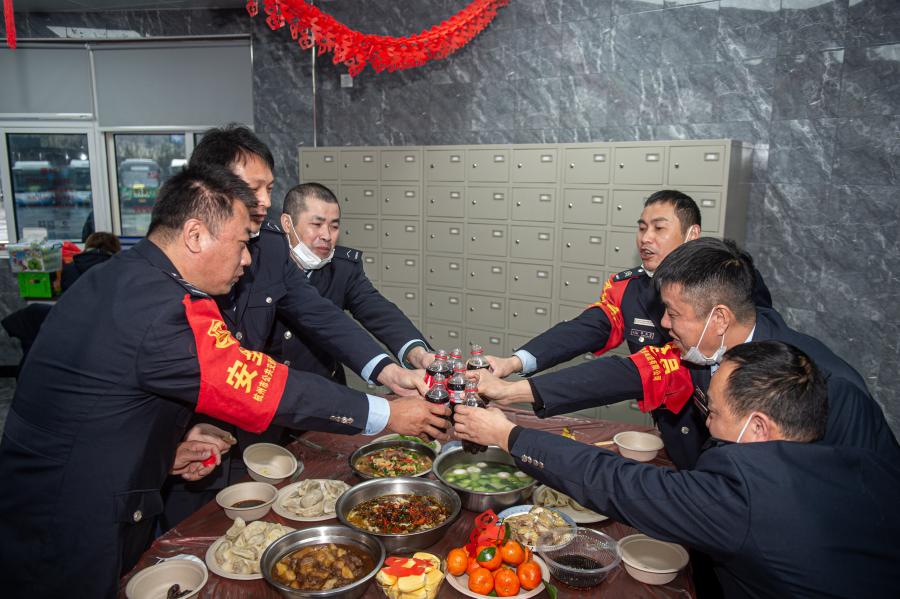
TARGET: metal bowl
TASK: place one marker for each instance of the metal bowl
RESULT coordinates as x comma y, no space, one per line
315,536
479,501
412,446
400,543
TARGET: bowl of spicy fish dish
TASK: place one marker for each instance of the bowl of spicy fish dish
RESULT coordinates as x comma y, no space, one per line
405,514
388,459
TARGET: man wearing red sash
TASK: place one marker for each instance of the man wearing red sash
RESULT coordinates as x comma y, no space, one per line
108,389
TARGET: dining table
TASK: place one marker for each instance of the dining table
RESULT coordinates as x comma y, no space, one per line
326,456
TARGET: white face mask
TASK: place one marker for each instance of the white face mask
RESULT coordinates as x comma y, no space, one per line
744,428
305,257
693,354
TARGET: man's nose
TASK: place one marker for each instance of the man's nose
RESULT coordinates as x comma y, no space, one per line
666,322
245,257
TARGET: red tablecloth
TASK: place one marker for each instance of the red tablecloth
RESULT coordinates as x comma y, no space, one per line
326,456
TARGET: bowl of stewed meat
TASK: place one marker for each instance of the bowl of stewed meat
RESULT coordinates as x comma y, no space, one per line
406,514
322,562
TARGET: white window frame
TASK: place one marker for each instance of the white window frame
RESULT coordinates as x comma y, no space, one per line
96,150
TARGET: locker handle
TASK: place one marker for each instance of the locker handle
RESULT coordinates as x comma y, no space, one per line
707,203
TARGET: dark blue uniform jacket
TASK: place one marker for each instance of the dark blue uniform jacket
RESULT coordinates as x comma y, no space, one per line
103,400
779,519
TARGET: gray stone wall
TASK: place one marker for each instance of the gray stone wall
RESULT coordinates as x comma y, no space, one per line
815,86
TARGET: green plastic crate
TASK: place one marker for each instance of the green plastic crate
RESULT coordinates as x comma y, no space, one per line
37,285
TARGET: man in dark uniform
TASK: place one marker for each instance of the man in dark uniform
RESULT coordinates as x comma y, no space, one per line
311,218
108,389
706,286
780,515
630,310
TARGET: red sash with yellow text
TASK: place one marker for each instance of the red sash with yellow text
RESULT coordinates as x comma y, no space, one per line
238,386
611,303
667,383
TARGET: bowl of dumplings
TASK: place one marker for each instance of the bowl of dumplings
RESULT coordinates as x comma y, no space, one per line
236,555
309,500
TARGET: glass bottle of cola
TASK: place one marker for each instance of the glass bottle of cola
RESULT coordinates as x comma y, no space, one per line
438,393
473,400
456,385
477,359
440,366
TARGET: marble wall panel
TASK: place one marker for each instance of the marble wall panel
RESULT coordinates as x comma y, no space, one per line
748,28
801,151
868,151
873,22
809,26
871,80
807,85
690,34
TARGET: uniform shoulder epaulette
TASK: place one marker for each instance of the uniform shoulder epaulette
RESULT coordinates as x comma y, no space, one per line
188,287
347,253
631,273
271,227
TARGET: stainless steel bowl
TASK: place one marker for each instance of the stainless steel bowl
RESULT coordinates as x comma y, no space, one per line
410,445
315,536
479,501
400,543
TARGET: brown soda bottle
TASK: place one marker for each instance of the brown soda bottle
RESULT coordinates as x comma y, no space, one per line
440,366
438,393
456,385
473,400
477,359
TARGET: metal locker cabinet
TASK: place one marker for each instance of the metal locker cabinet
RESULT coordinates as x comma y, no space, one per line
400,235
621,250
359,165
696,165
443,305
406,298
531,243
488,165
534,203
318,165
445,165
515,342
401,165
444,336
580,285
710,204
489,203
486,239
358,199
627,205
359,232
587,165
530,316
585,206
584,246
531,279
485,310
535,165
444,272
486,275
641,165
370,265
444,237
445,202
493,342
400,268
400,200
566,312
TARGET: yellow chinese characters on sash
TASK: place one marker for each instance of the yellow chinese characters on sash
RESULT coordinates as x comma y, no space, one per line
666,381
611,303
237,385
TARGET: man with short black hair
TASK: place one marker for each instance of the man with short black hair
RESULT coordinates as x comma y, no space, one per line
706,286
109,387
780,515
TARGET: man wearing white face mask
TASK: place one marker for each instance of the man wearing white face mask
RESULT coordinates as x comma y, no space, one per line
779,514
311,220
706,286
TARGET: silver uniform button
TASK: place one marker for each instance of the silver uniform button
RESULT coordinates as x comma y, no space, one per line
287,335
685,430
268,300
287,362
641,339
239,335
349,420
137,516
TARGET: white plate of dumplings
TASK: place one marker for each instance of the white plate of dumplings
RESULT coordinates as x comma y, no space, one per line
236,555
547,497
310,500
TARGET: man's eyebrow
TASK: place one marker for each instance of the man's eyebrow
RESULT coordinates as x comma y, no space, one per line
660,218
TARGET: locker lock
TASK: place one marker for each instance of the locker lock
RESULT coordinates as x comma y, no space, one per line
471,274
431,200
387,165
566,283
431,165
471,309
432,236
474,165
474,202
430,270
616,248
473,238
621,165
387,234
307,165
518,203
515,314
570,204
386,200
387,266
619,207
515,277
569,244
517,242
571,165
677,165
519,165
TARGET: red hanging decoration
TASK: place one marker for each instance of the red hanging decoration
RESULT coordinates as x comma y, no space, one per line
309,25
10,24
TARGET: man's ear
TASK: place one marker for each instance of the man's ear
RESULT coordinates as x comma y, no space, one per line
722,319
192,235
762,428
693,233
286,223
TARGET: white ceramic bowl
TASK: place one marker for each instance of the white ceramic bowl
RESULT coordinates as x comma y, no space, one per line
227,497
269,463
154,582
642,447
650,561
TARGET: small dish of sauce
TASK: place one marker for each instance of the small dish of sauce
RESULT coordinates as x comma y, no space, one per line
248,503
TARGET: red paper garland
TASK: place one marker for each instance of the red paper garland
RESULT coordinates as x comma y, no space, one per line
309,25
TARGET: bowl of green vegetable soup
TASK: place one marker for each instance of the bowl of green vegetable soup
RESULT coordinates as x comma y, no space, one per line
486,480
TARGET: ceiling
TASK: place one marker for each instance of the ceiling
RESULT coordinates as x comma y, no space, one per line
104,5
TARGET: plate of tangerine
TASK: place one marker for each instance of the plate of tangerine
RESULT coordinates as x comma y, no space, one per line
509,569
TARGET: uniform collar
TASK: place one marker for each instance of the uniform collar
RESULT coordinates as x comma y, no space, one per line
158,258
